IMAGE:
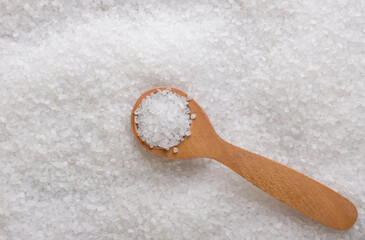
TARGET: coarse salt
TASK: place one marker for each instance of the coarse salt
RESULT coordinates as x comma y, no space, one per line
163,119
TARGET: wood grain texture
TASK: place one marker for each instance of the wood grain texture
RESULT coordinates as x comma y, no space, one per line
283,183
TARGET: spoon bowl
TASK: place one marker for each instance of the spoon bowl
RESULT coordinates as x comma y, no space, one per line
296,190
202,135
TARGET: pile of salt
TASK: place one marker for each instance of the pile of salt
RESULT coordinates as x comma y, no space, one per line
163,119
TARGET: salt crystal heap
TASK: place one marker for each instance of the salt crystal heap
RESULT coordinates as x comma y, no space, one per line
163,119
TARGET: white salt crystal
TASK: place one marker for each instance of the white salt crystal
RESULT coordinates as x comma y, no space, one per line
193,116
175,150
163,119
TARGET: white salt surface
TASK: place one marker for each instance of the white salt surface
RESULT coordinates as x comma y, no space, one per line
283,79
163,119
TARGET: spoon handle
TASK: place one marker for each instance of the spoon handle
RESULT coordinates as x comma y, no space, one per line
290,187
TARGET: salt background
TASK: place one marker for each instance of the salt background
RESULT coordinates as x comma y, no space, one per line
284,79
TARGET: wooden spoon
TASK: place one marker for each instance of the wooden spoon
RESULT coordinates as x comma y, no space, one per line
283,183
